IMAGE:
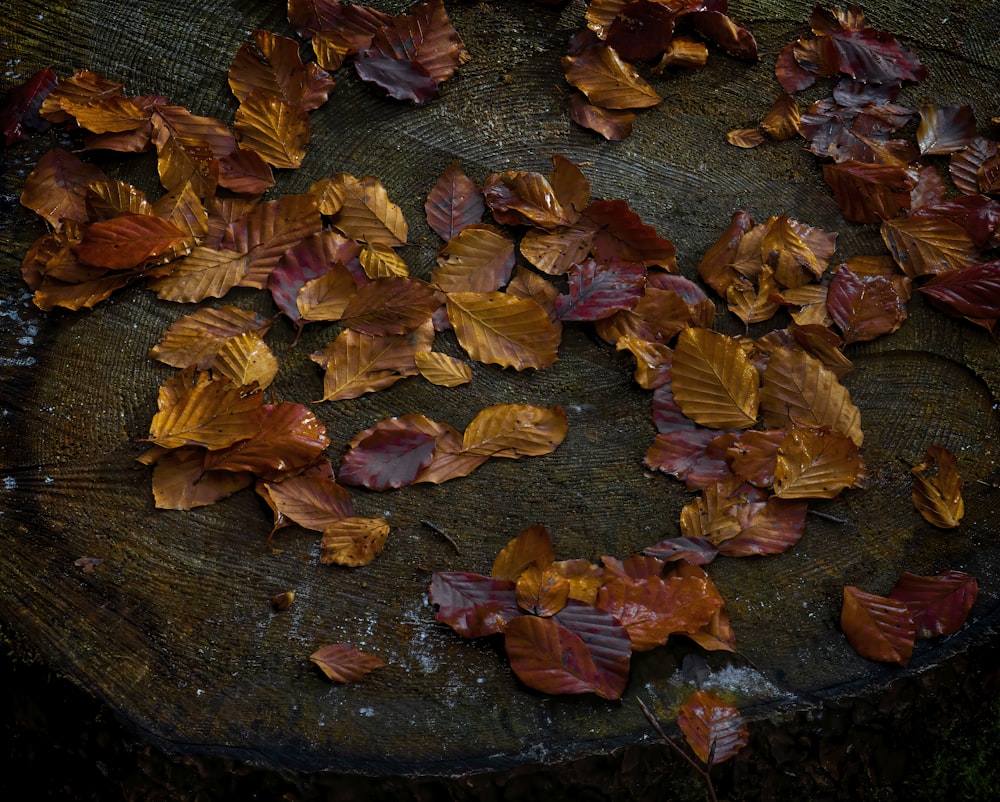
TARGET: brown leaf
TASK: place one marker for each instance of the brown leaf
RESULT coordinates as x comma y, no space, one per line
938,496
497,328
782,120
357,363
607,81
453,203
57,188
541,591
326,297
713,380
367,214
517,197
877,627
864,307
342,662
928,245
353,541
745,137
555,252
940,604
312,502
127,241
869,193
477,259
195,339
945,130
392,305
533,546
515,430
797,388
274,128
204,273
814,464
180,481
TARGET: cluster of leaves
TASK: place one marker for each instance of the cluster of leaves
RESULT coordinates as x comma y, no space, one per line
878,177
570,626
407,56
885,628
600,64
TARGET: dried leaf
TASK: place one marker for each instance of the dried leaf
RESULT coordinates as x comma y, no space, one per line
541,591
607,81
515,430
442,370
517,197
204,273
613,124
472,604
745,137
599,290
392,305
814,464
367,214
938,495
713,380
453,203
927,245
353,542
195,339
246,359
869,193
387,457
497,328
555,252
782,120
477,259
180,481
312,502
57,188
342,662
533,546
864,307
274,128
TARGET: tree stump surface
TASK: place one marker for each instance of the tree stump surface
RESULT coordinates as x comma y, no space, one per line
174,629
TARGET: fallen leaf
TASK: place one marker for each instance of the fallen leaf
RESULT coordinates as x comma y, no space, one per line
353,542
497,328
714,730
713,381
877,627
940,604
341,662
937,488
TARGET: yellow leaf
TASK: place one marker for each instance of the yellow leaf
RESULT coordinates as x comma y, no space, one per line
367,214
246,359
515,430
814,464
204,273
381,261
353,541
275,128
442,370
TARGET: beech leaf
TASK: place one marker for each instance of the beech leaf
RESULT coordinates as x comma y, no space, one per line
939,604
937,488
341,662
713,381
353,542
877,627
497,328
387,458
367,214
608,81
454,202
515,430
714,730
441,369
472,604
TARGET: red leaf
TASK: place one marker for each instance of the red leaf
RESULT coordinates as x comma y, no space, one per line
939,604
978,215
342,662
714,730
876,57
387,458
597,291
945,130
790,75
869,193
972,292
472,604
402,79
57,187
613,124
607,640
719,28
642,30
697,456
864,307
19,111
877,627
453,203
127,241
769,527
623,237
311,258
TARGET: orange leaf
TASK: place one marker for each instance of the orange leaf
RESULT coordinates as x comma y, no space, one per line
381,261
878,627
57,187
541,591
517,197
814,464
196,410
515,430
938,496
745,137
180,481
714,730
392,305
127,241
312,502
925,246
555,252
782,120
533,546
342,662
327,296
607,81
353,541
713,381
204,273
497,328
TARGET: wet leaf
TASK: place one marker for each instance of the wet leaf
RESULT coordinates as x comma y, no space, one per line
940,604
19,113
312,502
864,307
555,252
814,464
442,370
768,527
180,481
274,128
127,241
696,456
387,458
695,550
515,430
353,542
798,389
937,488
608,81
518,197
392,305
204,273
541,591
945,130
453,203
325,297
641,31
624,237
927,245
877,627
598,291
869,193
653,609
472,604
781,122
970,292
714,730
310,258
246,359
196,410
195,339
652,361
753,458
342,662
57,188
533,546
500,329
721,29
271,65
966,164
713,381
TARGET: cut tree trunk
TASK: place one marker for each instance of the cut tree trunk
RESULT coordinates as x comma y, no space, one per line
174,630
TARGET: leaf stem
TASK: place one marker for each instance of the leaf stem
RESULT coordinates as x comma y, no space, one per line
443,534
827,517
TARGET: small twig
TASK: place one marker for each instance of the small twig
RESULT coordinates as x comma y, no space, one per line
443,534
691,761
826,516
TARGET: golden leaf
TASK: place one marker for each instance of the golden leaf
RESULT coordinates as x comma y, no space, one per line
938,497
515,430
367,214
274,128
713,381
607,81
197,411
246,359
327,296
925,246
442,370
814,464
381,261
204,273
497,328
745,137
477,259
